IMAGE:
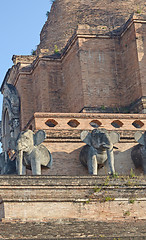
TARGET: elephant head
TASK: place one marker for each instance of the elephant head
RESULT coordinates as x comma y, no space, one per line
99,148
140,138
100,139
138,153
27,140
30,151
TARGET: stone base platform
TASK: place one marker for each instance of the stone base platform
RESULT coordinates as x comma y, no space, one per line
68,208
73,229
41,198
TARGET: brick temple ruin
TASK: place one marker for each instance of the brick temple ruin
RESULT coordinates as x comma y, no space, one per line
89,69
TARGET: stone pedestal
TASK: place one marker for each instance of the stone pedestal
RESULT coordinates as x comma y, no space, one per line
28,198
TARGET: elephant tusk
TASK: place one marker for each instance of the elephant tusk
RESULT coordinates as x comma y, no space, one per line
105,146
110,157
19,162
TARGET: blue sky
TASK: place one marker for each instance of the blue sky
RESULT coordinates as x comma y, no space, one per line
20,24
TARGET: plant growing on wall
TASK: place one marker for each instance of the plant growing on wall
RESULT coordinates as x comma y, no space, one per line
47,13
56,50
33,52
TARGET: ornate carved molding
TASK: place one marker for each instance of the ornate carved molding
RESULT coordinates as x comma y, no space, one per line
11,108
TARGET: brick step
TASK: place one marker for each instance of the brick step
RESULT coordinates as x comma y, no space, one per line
87,197
70,180
55,188
71,229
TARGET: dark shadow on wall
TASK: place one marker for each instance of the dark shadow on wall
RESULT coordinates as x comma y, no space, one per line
68,164
141,43
2,210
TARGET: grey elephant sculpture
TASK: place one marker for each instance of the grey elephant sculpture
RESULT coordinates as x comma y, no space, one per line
2,162
138,153
31,154
7,167
99,148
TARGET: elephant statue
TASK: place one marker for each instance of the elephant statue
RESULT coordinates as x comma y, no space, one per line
99,148
31,154
2,162
138,153
6,165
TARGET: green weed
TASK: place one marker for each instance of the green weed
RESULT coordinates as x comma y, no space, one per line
132,174
33,52
56,50
47,14
127,213
102,107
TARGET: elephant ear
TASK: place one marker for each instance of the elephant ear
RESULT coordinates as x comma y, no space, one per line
39,137
86,137
114,137
139,137
12,143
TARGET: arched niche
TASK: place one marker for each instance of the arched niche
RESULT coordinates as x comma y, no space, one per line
10,115
6,129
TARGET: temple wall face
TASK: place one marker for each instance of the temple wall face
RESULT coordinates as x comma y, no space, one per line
73,127
47,86
92,200
24,87
65,16
141,51
99,72
94,72
40,90
72,80
64,142
130,75
66,160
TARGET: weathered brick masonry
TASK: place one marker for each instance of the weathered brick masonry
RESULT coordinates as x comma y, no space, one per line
89,198
65,15
63,140
96,72
97,75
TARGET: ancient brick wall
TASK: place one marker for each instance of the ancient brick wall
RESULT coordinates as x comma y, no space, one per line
72,79
65,15
99,79
94,71
24,87
66,161
64,143
42,198
73,229
128,67
40,88
47,86
141,49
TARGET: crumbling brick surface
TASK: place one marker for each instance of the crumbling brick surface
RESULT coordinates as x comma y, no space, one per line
66,15
73,229
92,198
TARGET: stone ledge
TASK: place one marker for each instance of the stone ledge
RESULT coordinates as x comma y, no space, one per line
32,198
73,229
14,180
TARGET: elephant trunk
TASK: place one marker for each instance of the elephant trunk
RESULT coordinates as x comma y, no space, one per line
20,145
143,153
92,165
20,162
110,156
